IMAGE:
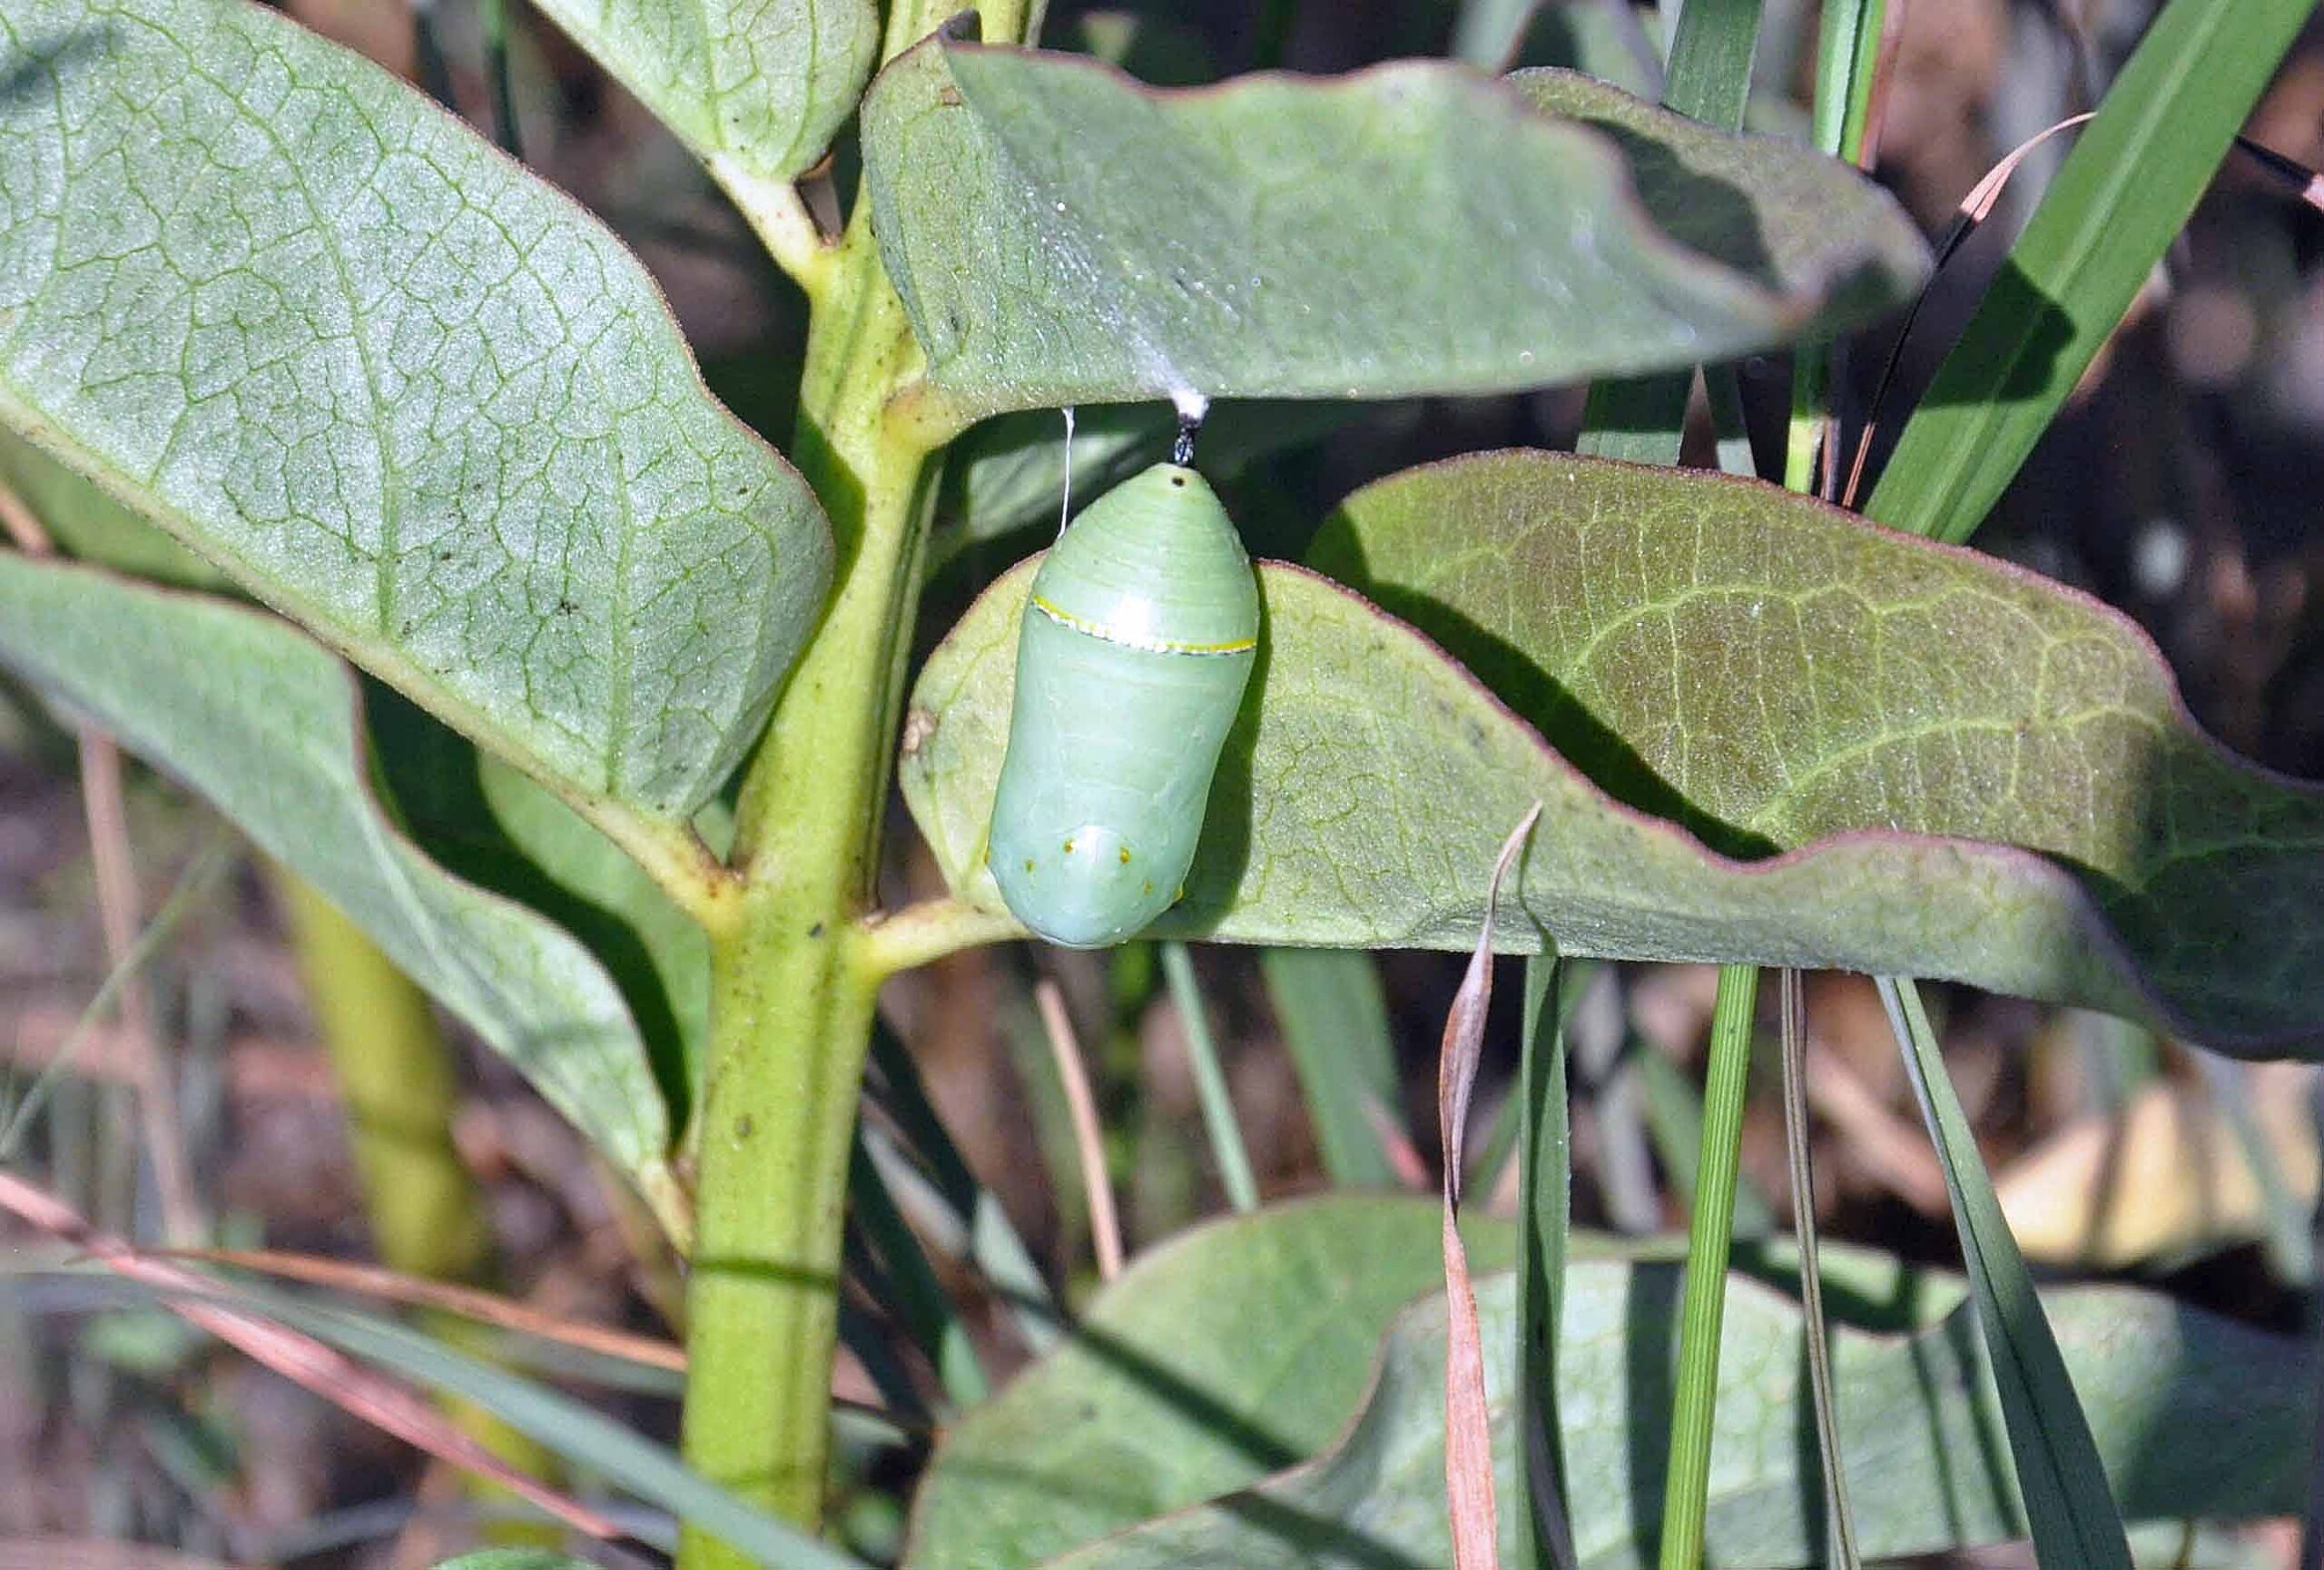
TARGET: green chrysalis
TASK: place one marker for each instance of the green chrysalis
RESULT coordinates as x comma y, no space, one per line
1140,632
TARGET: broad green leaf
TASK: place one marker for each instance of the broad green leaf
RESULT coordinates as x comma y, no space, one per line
2196,1415
487,825
86,523
515,1559
2120,199
394,386
1898,718
1772,672
252,714
1060,234
1153,1400
752,87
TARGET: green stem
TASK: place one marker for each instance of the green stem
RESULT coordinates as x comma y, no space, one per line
1545,1221
793,973
792,987
1687,1490
494,14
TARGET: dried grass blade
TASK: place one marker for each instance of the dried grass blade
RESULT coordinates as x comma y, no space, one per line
382,1402
468,1302
1089,1135
1468,1426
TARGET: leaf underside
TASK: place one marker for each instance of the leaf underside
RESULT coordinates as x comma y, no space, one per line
276,301
759,84
1061,234
1826,746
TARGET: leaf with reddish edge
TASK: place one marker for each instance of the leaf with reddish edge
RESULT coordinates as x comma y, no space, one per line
1773,671
1641,619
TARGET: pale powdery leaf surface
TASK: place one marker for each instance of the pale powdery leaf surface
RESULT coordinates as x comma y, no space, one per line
252,714
760,85
1060,234
394,386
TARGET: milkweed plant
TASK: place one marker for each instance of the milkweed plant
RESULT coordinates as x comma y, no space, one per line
394,518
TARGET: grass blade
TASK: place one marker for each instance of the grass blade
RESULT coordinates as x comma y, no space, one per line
583,1436
918,1303
493,16
1089,1129
1210,1080
1335,1019
1685,1497
2124,193
446,1297
1847,55
987,1238
1644,419
1674,1126
1847,70
1544,1223
1709,73
2076,1525
384,1404
216,856
1811,1274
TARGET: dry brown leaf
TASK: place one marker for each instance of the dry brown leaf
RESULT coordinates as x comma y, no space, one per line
2164,1177
1468,1426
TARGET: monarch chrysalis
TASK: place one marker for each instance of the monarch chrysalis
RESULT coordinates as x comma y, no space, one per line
1140,632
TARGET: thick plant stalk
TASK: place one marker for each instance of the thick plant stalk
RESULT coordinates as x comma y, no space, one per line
792,990
793,976
795,968
396,1080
